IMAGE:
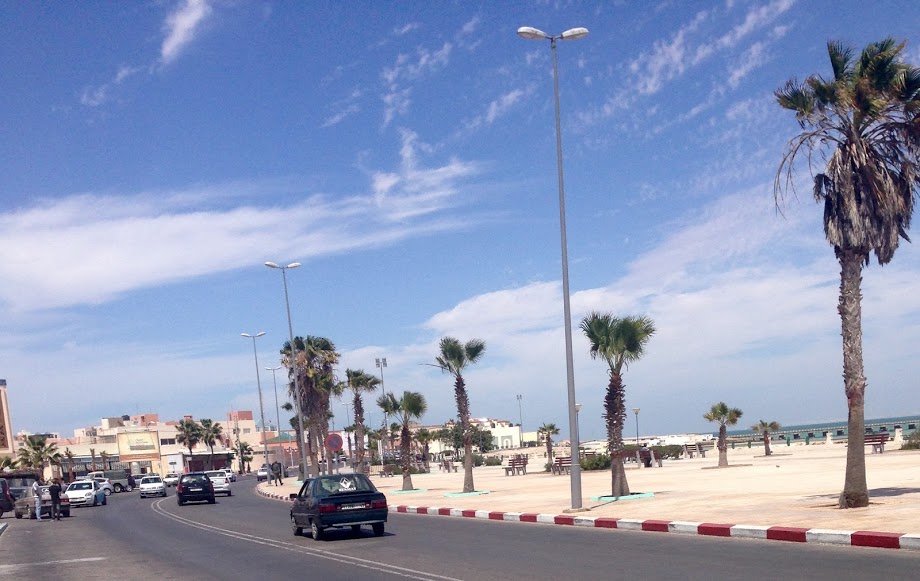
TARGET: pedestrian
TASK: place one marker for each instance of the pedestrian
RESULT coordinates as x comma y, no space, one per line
276,473
55,491
132,483
37,495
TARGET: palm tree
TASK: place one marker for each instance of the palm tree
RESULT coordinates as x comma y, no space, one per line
411,405
245,452
37,452
104,457
360,382
619,341
188,434
454,358
8,463
724,416
548,431
92,455
71,457
866,118
766,428
211,434
424,437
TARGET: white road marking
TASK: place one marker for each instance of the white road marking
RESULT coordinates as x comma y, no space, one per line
15,567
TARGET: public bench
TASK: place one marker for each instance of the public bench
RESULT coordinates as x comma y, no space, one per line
691,450
647,458
517,465
877,441
448,466
561,465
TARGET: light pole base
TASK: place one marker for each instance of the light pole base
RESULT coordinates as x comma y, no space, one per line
574,510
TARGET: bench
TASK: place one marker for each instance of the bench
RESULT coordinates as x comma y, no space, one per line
647,458
877,441
562,464
448,466
691,450
517,465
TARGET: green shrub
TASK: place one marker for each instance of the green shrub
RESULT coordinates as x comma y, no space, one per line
912,442
597,462
493,461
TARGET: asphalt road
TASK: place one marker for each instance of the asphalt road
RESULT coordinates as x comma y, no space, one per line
248,537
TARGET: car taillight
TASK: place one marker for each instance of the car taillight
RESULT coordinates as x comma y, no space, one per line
379,504
179,488
326,508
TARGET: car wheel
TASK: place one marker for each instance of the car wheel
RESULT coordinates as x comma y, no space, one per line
129,488
66,513
95,501
298,531
316,531
212,500
229,493
356,528
118,488
378,529
17,515
106,491
180,501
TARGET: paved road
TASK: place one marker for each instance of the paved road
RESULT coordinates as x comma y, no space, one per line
248,537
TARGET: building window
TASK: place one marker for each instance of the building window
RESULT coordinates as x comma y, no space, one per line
246,430
167,441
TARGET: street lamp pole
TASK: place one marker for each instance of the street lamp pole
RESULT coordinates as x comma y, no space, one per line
575,472
259,384
520,420
381,362
277,409
297,398
636,411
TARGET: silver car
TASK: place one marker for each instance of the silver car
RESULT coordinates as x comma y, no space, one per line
220,481
152,486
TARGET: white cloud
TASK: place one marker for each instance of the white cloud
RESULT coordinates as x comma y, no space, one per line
181,26
752,58
406,29
344,109
396,97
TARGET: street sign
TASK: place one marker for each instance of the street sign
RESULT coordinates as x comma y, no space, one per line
334,442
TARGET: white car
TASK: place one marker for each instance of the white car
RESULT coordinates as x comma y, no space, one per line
152,486
262,474
171,479
230,474
220,481
85,493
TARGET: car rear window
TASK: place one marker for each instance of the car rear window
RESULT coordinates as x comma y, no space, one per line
150,480
196,479
343,484
80,486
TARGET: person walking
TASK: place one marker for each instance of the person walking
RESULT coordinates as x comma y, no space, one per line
37,495
276,473
55,491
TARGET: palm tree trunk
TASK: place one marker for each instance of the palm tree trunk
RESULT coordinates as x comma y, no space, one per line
723,446
615,415
766,443
404,442
855,489
359,430
463,410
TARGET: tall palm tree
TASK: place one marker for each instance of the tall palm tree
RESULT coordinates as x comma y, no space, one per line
8,463
724,416
71,457
864,123
424,437
766,427
454,358
92,455
37,452
619,341
411,405
211,434
548,431
104,457
245,454
359,383
188,434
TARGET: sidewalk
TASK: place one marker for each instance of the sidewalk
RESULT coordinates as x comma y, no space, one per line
791,495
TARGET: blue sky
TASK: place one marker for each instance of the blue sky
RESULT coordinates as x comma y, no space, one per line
156,154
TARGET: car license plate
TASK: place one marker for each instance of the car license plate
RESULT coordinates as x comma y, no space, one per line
194,489
352,506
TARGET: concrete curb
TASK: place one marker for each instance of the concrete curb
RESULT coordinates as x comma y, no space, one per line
3,527
882,540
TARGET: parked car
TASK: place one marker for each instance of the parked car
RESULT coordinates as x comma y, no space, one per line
19,481
25,504
341,500
230,474
151,486
117,479
262,473
219,481
195,486
6,497
105,484
85,493
171,479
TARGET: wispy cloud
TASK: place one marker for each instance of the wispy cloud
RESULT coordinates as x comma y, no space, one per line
94,240
95,96
408,68
493,111
752,58
406,29
181,26
344,108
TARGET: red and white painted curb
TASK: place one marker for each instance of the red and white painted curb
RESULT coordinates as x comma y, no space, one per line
881,540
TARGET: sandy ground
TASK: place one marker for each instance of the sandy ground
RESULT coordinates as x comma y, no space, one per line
797,486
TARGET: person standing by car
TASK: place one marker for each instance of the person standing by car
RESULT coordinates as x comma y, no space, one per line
276,473
55,491
132,483
37,495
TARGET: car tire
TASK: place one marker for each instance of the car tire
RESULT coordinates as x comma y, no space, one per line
129,488
118,488
106,491
66,513
316,531
378,529
180,501
212,500
298,531
229,493
356,529
95,501
17,515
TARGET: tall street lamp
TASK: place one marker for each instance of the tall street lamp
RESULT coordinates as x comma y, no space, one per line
636,411
571,34
259,384
277,409
381,362
287,304
520,420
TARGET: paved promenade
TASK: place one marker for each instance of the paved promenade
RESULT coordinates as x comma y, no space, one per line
796,487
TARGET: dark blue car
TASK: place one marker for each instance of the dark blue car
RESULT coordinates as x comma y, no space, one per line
339,500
